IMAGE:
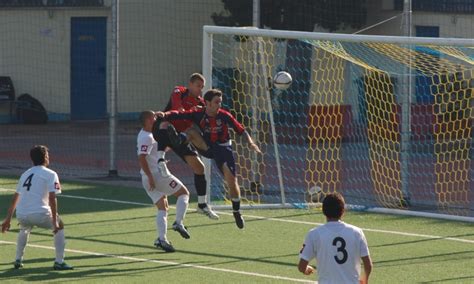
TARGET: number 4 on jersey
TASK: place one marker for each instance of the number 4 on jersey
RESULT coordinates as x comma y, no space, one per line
27,182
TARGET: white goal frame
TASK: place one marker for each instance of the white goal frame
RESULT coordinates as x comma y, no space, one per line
209,31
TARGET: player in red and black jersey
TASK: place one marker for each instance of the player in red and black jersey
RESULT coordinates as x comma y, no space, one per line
214,124
184,99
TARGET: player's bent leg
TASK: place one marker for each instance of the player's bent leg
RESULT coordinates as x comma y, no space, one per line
201,186
182,202
195,137
161,136
175,138
195,163
231,181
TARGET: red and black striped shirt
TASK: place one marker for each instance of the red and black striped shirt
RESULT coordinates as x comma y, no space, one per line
214,129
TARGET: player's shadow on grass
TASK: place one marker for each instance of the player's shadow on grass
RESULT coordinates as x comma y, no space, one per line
443,257
150,216
84,272
422,240
454,280
232,258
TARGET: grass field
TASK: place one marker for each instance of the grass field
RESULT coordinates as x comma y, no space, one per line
112,241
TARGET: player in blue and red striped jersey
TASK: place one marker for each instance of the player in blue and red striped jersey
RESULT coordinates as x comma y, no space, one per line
183,99
214,123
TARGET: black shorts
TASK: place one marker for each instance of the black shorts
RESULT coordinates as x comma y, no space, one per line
223,155
185,149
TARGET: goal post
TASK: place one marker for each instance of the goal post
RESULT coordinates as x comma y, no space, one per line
347,123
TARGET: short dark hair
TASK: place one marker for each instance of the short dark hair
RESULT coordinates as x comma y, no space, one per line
197,76
38,154
144,115
333,205
209,95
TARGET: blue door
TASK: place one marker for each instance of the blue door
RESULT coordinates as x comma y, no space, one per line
88,68
423,83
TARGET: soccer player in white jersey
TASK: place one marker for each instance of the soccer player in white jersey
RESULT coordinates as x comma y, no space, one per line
36,205
159,183
337,246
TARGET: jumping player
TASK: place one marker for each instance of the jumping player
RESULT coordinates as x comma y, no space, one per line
214,124
182,99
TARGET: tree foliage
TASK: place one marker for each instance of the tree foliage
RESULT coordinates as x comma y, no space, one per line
300,15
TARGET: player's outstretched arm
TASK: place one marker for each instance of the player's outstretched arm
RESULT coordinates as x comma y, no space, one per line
251,143
8,219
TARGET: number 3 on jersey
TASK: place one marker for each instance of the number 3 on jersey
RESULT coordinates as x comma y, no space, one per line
27,182
340,244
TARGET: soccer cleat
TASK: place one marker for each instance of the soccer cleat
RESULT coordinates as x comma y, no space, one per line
208,212
163,168
164,245
239,221
174,137
17,264
62,266
182,230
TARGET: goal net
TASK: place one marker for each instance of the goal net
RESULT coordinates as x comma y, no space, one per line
386,121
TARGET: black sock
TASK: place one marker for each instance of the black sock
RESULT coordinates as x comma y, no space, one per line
235,204
200,184
161,136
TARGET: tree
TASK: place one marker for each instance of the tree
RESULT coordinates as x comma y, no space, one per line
299,15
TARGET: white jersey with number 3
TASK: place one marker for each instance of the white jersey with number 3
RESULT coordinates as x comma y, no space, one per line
338,248
34,187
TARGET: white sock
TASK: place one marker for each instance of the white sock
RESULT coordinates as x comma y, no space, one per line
161,155
162,224
59,245
202,199
21,243
181,207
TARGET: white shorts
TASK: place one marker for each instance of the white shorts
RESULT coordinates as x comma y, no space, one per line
164,186
41,220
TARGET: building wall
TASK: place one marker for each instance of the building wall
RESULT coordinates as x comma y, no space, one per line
451,25
160,46
35,52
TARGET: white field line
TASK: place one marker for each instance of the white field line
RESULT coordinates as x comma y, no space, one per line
170,263
278,219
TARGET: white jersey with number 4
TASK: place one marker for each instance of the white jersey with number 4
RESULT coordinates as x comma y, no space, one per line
148,146
34,187
338,248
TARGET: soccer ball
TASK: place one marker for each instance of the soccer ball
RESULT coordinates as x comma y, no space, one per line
282,80
316,194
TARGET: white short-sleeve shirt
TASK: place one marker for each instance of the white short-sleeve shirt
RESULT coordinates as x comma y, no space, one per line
338,248
34,187
148,146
